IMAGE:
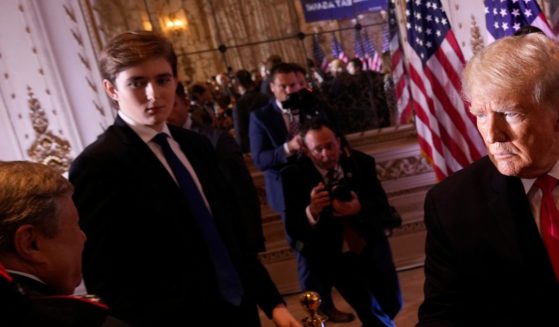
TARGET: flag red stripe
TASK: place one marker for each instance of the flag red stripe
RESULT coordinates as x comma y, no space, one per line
420,111
426,148
457,119
454,116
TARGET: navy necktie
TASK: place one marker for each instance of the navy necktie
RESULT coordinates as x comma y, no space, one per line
228,279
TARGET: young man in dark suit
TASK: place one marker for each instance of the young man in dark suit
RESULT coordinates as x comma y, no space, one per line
333,208
492,249
163,240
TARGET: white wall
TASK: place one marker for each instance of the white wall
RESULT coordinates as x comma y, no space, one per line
48,68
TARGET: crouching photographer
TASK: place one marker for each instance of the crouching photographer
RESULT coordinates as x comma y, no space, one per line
334,211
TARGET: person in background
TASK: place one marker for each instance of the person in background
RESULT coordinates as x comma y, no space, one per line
301,74
334,205
164,244
275,142
492,248
41,247
368,95
249,101
273,133
202,104
272,61
233,167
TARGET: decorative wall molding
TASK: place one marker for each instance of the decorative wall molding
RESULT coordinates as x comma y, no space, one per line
476,40
402,167
84,56
47,148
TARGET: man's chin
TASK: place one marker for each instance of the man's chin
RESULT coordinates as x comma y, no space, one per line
506,167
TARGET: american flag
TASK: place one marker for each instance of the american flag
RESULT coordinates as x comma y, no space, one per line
372,58
358,49
386,36
337,51
504,17
399,74
318,54
446,131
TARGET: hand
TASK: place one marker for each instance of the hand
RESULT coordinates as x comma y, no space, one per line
295,144
346,208
283,318
319,199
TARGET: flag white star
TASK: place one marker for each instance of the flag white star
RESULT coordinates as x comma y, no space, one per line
503,12
527,12
515,12
505,26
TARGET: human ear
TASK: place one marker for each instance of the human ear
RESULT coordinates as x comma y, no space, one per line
110,89
28,243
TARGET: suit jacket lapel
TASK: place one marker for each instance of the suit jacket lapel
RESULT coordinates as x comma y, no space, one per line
142,158
511,209
277,124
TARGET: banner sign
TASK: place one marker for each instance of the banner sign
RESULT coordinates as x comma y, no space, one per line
316,10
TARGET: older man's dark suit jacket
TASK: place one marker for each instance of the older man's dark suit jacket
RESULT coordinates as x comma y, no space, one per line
144,254
321,244
486,263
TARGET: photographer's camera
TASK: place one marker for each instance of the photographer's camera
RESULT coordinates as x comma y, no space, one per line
339,190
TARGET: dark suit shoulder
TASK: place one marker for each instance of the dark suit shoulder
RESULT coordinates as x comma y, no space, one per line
107,149
362,157
252,100
465,180
193,138
263,110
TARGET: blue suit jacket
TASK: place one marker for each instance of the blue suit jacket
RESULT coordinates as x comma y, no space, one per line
268,133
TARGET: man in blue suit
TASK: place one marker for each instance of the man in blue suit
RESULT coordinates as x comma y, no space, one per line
271,144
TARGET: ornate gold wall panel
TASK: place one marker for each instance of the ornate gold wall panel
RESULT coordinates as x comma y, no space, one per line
250,29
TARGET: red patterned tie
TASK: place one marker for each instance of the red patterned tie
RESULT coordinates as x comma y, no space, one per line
549,220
